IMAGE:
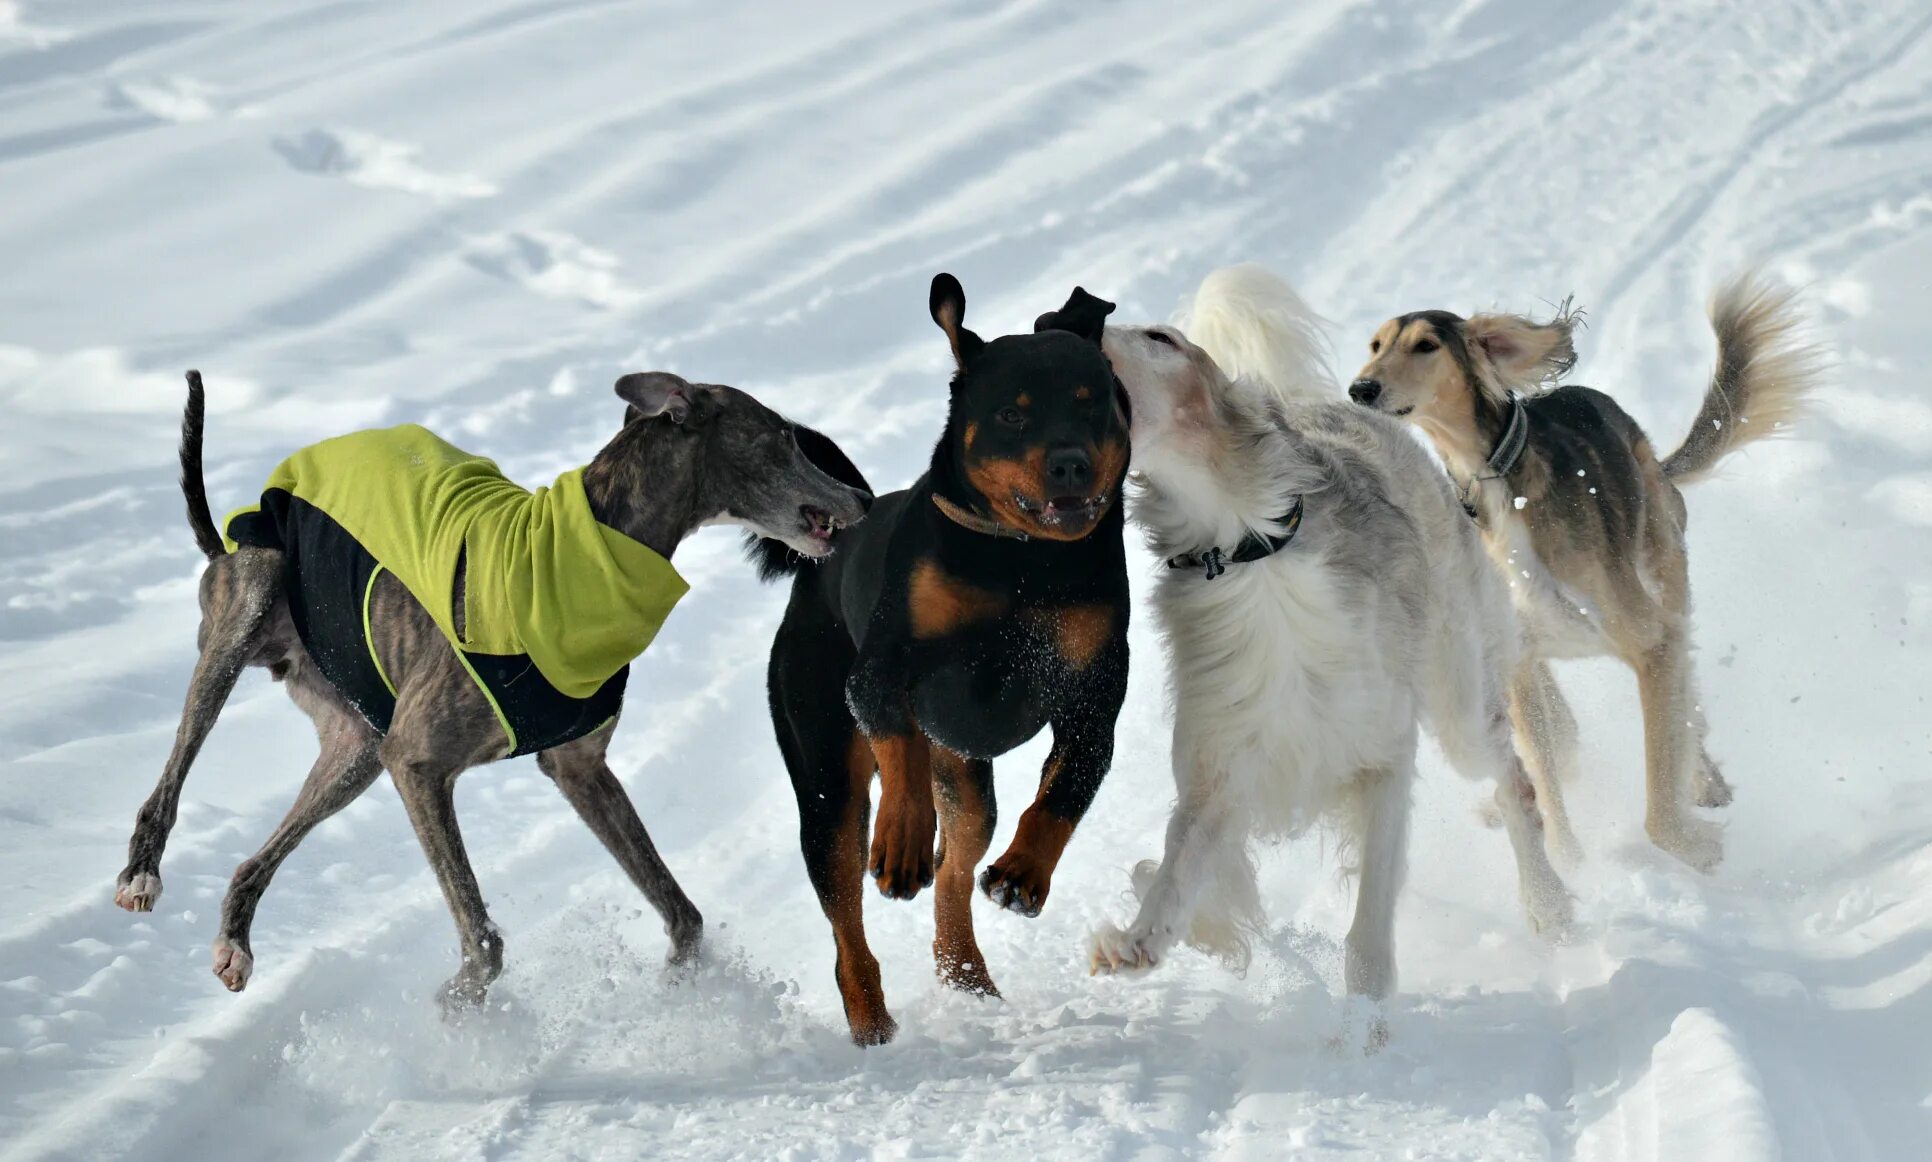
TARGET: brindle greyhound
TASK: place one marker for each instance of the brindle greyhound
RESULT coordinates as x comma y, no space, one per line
688,455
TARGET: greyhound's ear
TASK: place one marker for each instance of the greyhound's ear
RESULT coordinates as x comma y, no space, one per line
1085,315
656,393
1525,353
949,311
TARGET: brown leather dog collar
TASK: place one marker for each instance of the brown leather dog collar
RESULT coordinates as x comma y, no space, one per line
975,522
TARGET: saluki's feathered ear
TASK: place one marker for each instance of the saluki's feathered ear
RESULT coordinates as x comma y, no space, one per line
949,311
1085,315
1524,352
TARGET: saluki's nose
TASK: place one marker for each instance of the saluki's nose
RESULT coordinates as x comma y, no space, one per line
1069,470
1365,390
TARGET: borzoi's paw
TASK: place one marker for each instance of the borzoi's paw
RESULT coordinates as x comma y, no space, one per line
1114,952
1017,882
1697,842
1551,912
233,964
137,891
1712,790
902,858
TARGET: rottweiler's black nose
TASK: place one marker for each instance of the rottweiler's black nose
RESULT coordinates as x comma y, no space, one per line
1365,390
1069,470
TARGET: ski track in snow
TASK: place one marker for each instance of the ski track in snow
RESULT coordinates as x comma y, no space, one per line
476,215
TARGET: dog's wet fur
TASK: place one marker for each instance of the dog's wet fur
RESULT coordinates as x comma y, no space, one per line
985,602
688,455
1589,523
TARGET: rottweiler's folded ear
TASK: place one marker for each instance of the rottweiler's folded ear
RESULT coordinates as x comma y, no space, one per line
949,311
1085,315
656,393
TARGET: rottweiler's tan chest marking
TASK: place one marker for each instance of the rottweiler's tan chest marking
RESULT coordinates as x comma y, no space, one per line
941,605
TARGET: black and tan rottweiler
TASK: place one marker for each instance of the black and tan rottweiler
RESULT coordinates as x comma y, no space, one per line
968,611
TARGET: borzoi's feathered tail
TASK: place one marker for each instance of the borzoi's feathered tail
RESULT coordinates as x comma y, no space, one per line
1255,326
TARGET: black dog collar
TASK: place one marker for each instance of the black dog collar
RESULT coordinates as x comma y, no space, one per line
1253,547
1509,449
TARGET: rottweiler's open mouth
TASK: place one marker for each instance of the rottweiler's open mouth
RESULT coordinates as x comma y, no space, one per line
1063,510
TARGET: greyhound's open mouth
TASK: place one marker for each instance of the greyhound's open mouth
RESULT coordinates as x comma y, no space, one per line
819,527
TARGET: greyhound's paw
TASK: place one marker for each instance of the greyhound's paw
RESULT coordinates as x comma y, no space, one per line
233,964
1017,882
902,851
1712,790
137,891
1697,842
1113,952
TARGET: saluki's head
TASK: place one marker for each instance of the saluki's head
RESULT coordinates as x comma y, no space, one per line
1175,388
1435,365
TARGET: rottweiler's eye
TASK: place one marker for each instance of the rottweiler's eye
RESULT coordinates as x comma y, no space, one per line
1011,417
1424,346
1163,338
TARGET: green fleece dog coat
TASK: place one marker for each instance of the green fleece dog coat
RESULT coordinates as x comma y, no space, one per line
555,604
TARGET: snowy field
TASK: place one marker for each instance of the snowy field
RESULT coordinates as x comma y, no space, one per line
476,214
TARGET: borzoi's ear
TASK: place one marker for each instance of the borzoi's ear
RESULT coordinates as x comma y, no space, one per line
949,311
655,393
1523,352
1084,315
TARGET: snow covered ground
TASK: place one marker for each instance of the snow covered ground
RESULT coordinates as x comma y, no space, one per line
475,214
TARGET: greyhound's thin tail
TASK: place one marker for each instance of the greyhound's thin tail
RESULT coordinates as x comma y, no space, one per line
775,559
193,490
1764,371
1254,325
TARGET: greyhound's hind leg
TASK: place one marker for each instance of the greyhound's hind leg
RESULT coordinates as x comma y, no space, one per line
346,767
237,592
580,772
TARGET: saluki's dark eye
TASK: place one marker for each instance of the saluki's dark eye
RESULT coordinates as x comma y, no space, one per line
1164,338
1375,346
1424,346
1011,417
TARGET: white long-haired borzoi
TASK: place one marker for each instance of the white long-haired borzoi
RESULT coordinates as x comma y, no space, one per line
1325,597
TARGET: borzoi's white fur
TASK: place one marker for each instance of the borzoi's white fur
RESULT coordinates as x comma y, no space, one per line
1300,680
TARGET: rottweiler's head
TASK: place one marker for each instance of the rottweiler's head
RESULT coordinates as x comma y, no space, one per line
1038,425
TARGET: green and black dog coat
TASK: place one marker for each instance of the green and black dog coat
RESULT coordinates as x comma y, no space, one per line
555,604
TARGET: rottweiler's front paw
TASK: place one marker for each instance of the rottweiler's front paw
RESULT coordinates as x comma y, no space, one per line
902,858
1017,882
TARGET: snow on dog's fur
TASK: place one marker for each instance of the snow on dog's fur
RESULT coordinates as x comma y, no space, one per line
1300,680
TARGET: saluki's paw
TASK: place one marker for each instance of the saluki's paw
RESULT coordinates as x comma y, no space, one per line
137,891
233,964
902,856
1697,842
1017,882
1114,952
1712,790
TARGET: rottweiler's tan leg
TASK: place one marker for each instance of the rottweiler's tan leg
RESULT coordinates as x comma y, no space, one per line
966,817
902,836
